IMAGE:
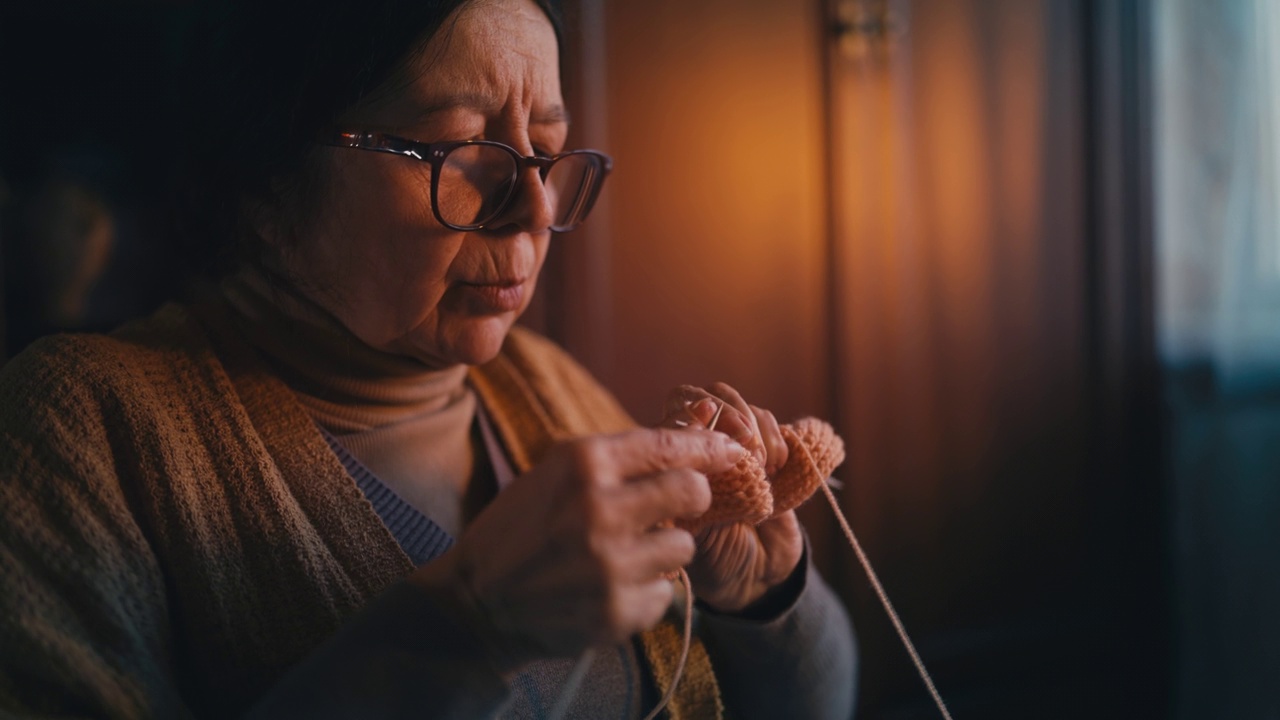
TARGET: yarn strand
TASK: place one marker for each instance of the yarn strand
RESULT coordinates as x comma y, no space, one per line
884,600
578,674
684,648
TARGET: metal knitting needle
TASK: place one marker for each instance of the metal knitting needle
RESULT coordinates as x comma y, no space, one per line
716,418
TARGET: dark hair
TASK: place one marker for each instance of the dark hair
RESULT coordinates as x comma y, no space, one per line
270,77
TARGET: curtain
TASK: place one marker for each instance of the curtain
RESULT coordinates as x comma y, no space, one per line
1217,158
1218,87
960,283
893,231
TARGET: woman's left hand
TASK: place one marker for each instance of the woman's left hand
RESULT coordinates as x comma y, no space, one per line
736,565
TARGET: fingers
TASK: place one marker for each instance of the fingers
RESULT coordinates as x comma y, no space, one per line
641,607
569,553
641,595
604,608
649,500
658,551
678,403
753,427
745,416
775,445
645,452
689,406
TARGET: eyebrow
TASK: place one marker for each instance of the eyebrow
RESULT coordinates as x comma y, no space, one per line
553,115
484,104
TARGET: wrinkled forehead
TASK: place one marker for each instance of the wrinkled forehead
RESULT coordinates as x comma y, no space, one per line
491,57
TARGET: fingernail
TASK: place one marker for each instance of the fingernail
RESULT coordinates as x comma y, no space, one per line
736,448
704,409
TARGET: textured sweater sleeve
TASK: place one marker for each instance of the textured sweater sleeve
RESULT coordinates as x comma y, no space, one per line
800,664
83,617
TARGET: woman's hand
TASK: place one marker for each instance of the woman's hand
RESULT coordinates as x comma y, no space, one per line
570,555
737,564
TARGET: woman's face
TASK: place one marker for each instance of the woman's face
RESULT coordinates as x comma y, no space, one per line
374,254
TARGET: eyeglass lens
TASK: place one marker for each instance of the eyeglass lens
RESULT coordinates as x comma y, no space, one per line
477,181
572,185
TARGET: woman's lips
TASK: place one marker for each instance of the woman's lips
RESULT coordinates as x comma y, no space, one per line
493,298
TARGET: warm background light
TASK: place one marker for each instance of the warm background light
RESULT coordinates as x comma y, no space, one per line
716,228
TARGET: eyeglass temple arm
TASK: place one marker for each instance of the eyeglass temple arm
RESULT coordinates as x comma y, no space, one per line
379,143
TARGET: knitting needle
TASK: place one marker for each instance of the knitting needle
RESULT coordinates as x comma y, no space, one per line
716,418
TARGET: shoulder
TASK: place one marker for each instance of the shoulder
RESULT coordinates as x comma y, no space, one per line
82,390
89,420
71,367
63,401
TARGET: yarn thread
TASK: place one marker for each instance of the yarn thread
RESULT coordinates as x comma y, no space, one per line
792,485
579,672
688,621
884,600
684,648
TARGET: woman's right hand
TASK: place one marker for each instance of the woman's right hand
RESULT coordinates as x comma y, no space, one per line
571,555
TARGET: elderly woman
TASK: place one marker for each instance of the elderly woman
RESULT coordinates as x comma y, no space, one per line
341,484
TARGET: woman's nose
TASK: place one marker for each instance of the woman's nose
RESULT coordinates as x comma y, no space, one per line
530,207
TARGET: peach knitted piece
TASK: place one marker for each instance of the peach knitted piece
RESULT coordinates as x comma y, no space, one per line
745,492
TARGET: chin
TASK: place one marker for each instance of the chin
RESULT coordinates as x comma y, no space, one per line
478,341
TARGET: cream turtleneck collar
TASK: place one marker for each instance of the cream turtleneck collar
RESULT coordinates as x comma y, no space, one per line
410,425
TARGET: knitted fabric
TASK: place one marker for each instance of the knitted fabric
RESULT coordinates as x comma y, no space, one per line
745,492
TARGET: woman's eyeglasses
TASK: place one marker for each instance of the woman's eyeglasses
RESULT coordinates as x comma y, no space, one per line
473,182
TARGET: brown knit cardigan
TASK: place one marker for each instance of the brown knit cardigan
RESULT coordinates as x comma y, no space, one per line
175,533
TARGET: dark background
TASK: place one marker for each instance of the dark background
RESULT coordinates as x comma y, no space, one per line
87,95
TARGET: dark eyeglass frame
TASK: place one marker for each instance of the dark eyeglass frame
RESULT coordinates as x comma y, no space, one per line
435,154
